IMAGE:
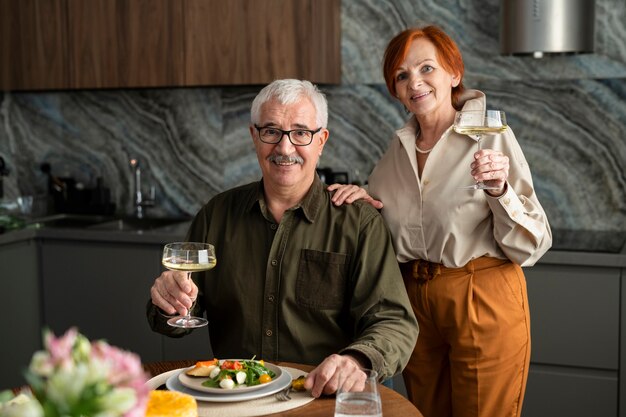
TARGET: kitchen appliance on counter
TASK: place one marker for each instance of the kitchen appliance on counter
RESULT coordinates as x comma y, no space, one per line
8,221
328,176
69,196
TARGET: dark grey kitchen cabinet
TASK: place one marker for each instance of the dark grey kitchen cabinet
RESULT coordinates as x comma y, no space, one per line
556,391
21,322
575,328
100,286
101,289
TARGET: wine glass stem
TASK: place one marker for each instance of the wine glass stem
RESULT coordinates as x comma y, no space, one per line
188,315
478,144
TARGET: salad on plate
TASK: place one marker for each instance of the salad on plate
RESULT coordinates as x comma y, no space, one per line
232,374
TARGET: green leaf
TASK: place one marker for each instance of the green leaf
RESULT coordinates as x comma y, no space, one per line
211,383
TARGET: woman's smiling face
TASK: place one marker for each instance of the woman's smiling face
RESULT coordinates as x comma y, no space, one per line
422,85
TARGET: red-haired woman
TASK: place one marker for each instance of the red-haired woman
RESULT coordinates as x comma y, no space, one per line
460,251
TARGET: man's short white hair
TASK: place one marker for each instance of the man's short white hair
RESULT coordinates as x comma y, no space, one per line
290,91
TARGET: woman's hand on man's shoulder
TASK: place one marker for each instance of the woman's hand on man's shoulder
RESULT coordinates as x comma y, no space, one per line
349,193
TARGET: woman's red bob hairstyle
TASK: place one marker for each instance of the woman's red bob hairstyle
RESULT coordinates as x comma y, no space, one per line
448,55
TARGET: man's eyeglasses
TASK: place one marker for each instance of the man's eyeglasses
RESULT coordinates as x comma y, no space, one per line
298,137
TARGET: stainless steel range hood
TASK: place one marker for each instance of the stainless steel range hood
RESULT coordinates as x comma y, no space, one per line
539,27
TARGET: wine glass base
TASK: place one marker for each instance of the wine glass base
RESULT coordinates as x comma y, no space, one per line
478,186
187,322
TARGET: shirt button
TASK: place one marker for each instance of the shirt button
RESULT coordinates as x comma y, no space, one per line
268,332
270,298
514,214
273,226
426,182
507,201
274,262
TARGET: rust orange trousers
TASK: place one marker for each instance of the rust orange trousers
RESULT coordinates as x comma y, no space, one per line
473,351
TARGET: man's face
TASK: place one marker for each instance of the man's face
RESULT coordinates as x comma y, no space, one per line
286,167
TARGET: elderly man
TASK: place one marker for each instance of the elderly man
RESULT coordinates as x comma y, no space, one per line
297,279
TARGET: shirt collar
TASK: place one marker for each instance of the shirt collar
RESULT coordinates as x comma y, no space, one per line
473,100
312,201
407,133
257,199
310,204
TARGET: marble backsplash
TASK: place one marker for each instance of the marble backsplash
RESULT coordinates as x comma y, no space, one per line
568,113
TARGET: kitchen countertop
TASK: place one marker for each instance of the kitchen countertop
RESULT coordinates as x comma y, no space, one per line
582,258
607,249
171,233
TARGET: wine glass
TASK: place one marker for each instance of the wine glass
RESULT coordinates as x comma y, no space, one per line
188,257
475,124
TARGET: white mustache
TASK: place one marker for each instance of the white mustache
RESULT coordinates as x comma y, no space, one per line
285,159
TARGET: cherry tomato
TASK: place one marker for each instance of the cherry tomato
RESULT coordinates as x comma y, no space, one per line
234,365
265,378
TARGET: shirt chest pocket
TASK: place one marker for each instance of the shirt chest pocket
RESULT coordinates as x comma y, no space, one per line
322,279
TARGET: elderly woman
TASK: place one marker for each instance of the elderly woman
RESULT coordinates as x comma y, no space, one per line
460,251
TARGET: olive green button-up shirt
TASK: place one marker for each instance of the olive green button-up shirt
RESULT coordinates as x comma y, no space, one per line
324,280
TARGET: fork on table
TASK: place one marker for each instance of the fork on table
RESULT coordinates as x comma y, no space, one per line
296,385
283,395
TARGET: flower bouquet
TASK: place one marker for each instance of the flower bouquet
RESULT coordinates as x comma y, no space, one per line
75,378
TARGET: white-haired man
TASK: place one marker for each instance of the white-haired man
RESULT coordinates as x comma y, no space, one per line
298,279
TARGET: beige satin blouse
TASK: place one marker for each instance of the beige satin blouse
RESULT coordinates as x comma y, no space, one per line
430,218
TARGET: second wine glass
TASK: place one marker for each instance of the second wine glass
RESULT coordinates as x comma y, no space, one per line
476,124
188,257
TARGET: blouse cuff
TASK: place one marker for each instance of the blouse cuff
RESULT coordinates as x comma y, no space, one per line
510,206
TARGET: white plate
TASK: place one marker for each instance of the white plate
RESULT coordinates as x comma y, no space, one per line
196,382
173,384
156,381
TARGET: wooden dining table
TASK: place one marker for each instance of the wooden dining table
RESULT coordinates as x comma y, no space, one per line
394,404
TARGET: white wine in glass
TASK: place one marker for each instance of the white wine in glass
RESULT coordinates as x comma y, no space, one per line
478,123
188,257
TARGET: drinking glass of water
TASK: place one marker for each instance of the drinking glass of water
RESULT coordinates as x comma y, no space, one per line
359,400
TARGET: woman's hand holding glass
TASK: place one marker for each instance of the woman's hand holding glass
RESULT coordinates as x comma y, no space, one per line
491,167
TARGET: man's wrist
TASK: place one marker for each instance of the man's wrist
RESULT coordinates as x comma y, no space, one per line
359,357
